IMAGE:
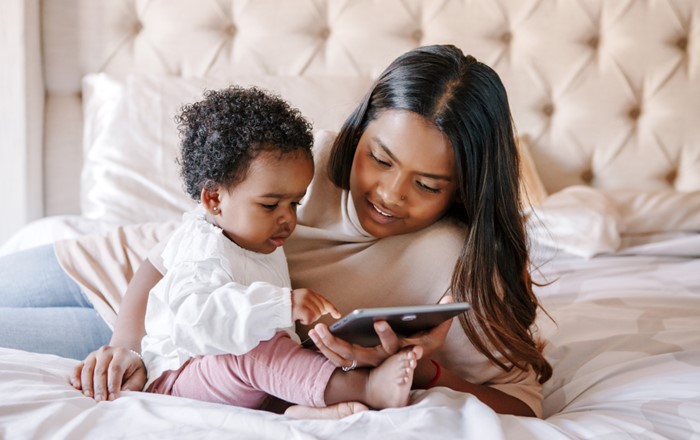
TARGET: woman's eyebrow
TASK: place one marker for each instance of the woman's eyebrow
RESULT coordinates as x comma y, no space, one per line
386,149
395,159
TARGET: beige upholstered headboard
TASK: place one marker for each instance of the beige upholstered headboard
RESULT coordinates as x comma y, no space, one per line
608,91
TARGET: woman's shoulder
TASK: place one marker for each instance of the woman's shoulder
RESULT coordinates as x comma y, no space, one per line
323,145
446,233
321,206
434,249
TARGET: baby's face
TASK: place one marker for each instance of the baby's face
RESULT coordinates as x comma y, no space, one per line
260,212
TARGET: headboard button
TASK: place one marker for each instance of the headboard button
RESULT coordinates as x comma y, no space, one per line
325,33
587,177
635,113
506,37
682,43
548,109
671,177
230,30
593,42
418,35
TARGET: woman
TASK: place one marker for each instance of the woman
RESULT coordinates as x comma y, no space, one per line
416,197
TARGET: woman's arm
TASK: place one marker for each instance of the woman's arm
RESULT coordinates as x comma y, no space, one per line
129,328
342,353
428,374
118,366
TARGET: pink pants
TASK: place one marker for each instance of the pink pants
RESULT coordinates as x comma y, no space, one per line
279,367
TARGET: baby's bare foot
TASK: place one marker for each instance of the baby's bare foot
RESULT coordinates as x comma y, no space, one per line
390,383
337,411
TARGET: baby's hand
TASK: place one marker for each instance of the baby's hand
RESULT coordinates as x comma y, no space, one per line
308,306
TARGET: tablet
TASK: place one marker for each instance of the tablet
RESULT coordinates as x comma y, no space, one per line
358,326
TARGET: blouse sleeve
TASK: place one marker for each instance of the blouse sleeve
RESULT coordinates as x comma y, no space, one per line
213,315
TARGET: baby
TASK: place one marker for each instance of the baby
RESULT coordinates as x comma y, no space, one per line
220,324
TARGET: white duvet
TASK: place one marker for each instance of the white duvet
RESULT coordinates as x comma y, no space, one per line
625,350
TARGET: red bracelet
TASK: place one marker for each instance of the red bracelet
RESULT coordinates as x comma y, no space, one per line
438,372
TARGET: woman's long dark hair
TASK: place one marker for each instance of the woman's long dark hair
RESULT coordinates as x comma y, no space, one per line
467,101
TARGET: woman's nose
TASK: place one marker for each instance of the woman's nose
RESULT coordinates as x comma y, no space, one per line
391,189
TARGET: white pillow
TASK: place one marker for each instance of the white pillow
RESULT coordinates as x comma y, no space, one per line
648,212
585,221
579,220
130,140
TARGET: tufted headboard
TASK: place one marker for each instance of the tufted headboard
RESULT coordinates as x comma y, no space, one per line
607,91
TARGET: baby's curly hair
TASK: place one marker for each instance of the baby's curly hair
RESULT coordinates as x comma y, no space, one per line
222,134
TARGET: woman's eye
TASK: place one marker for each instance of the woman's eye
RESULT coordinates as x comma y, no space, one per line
379,161
430,189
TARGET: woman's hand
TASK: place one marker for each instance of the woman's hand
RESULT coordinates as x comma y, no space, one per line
344,354
107,371
432,340
308,306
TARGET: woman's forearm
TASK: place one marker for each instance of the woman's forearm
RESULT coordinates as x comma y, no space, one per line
497,400
129,328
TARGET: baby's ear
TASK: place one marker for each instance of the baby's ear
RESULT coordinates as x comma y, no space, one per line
211,199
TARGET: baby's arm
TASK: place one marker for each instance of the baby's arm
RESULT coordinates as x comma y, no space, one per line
211,314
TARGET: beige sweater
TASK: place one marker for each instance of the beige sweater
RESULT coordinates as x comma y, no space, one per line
329,253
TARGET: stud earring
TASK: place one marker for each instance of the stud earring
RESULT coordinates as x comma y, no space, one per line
215,209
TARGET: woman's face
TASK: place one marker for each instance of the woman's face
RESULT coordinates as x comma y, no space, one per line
403,175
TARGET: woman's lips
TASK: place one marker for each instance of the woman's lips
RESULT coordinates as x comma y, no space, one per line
380,214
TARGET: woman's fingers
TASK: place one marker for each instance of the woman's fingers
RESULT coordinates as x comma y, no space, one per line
389,341
86,372
132,375
335,358
134,380
115,372
342,353
430,340
75,376
446,299
107,371
103,360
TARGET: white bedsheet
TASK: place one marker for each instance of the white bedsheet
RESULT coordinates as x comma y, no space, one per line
625,350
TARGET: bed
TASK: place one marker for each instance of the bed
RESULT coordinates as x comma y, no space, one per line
605,96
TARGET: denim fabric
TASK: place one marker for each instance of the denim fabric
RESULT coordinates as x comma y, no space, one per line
43,310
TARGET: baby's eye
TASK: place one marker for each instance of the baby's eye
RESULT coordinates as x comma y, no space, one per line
270,207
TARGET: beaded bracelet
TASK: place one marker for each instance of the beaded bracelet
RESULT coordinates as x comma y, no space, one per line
438,372
137,354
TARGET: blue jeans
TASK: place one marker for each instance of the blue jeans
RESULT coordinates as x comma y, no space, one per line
43,310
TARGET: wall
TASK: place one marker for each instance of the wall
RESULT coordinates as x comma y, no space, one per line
22,92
